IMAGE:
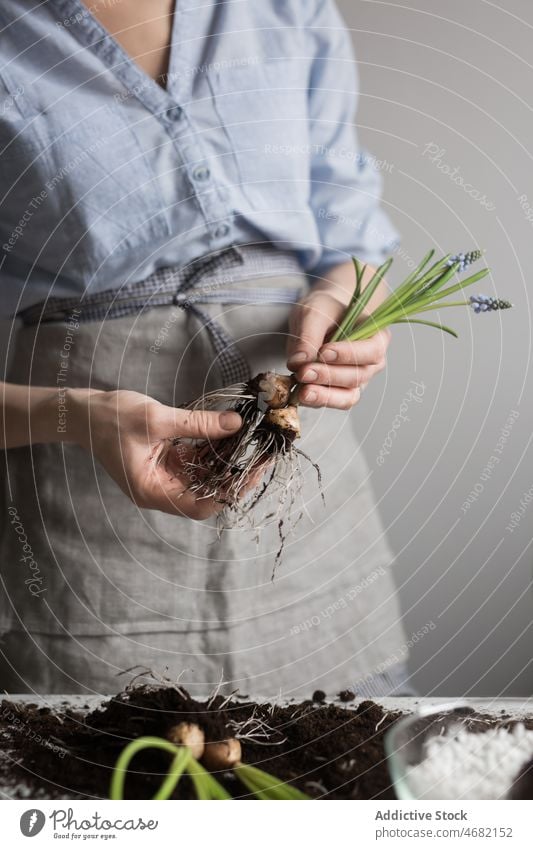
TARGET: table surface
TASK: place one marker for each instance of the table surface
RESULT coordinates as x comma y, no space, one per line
409,704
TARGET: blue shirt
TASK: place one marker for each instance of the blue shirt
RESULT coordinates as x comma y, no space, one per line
105,176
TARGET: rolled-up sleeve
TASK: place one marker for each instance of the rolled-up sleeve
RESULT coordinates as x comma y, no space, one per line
346,182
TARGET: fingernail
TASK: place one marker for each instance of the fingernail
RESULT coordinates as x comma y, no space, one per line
229,421
310,375
329,355
310,397
300,357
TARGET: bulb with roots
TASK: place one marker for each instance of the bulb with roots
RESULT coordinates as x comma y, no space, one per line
257,463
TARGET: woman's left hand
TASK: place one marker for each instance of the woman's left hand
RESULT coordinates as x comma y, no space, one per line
332,373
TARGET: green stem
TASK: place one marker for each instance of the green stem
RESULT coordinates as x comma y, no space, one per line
414,276
412,283
420,288
423,304
177,768
266,786
205,785
357,305
119,773
359,274
370,325
436,282
411,292
428,324
406,293
437,296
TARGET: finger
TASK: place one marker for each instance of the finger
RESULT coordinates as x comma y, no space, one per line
205,424
322,396
364,352
311,321
347,377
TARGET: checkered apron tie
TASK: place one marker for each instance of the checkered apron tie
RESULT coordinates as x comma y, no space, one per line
208,280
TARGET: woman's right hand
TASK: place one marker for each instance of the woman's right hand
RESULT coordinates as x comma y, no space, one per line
127,432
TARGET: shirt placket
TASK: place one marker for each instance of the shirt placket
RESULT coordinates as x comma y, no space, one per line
170,110
179,124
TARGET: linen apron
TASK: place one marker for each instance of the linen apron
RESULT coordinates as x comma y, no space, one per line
93,586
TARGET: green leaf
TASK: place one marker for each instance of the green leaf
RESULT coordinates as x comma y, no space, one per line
437,283
411,281
428,323
359,274
437,296
413,276
431,301
205,785
266,786
353,312
422,285
181,758
177,768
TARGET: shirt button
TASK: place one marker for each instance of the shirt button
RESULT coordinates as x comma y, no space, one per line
201,174
221,231
175,113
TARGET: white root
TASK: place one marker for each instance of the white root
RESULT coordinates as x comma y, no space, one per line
383,718
263,449
256,730
216,691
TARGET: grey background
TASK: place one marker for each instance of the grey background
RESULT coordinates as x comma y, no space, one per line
456,75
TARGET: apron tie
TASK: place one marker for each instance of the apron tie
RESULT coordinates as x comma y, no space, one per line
207,280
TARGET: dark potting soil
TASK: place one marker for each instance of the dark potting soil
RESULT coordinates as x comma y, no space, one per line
319,696
346,696
325,750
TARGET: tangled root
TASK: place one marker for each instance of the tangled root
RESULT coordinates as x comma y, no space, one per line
259,465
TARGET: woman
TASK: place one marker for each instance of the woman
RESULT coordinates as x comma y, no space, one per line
181,195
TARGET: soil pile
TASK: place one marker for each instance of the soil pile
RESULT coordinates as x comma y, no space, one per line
325,750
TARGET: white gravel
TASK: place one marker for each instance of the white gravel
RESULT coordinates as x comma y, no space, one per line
464,765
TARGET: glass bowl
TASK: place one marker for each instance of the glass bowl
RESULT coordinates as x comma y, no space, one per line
405,748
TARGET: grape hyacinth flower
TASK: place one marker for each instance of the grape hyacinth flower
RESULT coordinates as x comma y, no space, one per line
483,303
465,259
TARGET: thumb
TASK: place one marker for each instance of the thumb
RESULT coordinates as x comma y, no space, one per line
206,424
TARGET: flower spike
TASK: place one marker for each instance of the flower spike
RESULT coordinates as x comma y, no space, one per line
465,259
483,303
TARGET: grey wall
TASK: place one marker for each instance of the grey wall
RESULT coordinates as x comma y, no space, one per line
456,76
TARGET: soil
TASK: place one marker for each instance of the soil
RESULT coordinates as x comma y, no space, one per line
326,750
346,696
319,696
